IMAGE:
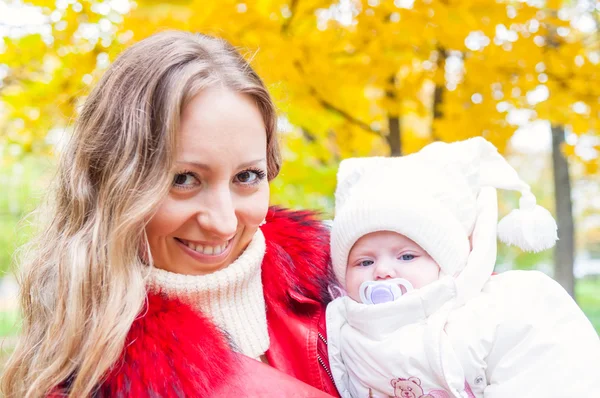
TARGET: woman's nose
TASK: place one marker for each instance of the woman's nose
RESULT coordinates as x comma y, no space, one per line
219,218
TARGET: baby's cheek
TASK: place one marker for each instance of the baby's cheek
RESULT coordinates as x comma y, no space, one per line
424,274
355,276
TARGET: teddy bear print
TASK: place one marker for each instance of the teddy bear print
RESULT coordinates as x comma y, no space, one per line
411,388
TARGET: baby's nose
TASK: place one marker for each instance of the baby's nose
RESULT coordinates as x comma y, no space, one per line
384,270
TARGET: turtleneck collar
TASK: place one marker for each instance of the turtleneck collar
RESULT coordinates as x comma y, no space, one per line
233,297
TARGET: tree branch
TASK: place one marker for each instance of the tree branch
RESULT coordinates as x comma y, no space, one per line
335,109
332,108
286,25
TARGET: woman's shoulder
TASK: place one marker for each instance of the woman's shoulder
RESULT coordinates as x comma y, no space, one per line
297,257
170,351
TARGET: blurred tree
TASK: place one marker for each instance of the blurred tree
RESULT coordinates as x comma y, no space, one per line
351,77
564,64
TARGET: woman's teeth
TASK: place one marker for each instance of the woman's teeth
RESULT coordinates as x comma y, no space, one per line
208,250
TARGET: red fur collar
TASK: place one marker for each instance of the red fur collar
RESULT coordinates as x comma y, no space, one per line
173,351
297,256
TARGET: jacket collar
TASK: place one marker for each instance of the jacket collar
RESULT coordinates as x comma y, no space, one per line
295,270
377,321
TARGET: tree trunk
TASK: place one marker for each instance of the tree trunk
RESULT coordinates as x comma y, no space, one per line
438,94
438,101
393,137
564,252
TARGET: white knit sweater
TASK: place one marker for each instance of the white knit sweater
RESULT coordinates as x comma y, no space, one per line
232,297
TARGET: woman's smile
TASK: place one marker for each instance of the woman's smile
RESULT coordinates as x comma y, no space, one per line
206,253
211,249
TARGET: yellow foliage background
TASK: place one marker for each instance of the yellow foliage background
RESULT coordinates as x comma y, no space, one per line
342,73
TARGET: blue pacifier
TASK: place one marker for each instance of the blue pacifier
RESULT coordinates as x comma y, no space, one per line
377,292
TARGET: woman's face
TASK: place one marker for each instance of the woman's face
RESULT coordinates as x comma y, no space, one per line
220,193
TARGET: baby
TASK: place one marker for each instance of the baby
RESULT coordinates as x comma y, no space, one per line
413,246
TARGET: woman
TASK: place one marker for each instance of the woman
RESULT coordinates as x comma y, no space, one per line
161,271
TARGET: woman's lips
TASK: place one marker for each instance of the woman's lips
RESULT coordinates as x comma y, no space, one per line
208,249
206,253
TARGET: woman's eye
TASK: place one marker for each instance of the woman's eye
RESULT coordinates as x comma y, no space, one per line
249,177
184,179
407,257
366,263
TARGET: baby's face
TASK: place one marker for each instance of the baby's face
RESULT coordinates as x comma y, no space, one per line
386,255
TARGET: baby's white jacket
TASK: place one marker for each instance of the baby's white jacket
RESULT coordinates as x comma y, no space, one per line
515,334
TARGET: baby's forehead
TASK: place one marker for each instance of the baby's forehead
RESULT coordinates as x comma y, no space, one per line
382,240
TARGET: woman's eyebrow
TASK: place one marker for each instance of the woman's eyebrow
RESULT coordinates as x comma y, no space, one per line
195,164
252,162
205,166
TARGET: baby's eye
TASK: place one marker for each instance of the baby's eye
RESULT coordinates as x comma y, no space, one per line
407,257
366,263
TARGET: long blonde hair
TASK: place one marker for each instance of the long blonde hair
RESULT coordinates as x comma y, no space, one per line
82,277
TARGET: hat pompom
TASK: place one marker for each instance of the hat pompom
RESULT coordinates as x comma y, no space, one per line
531,227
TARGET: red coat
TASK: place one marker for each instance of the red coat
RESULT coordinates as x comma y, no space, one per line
172,351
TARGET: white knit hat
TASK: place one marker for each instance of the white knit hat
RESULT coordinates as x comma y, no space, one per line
430,197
